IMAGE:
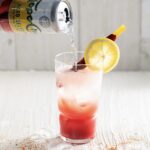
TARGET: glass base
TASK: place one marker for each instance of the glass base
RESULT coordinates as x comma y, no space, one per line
73,141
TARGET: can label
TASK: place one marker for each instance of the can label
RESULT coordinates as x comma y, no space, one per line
30,16
47,16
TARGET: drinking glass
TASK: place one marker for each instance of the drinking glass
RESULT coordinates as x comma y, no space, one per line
79,89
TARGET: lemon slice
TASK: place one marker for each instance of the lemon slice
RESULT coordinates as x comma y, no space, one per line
102,53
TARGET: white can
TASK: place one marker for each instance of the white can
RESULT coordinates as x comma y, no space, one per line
46,16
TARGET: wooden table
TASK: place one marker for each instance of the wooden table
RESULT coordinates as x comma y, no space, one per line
29,114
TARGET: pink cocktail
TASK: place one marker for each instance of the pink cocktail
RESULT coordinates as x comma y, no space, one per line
78,98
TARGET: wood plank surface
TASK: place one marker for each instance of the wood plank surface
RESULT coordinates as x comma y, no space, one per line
92,19
98,18
38,51
145,36
7,51
28,112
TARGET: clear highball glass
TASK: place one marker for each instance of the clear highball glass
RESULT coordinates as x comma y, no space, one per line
79,90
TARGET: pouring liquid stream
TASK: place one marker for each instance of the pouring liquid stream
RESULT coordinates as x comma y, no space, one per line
71,36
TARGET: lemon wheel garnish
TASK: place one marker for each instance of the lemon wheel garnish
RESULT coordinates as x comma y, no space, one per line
102,54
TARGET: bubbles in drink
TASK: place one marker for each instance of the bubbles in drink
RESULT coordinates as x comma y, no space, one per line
71,36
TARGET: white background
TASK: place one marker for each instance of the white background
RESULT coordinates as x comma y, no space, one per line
93,18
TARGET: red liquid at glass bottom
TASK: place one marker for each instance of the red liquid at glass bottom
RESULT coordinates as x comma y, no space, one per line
77,122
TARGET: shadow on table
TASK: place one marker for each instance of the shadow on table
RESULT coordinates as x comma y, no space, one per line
57,143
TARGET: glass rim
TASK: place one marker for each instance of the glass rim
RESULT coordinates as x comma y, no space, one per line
71,65
68,52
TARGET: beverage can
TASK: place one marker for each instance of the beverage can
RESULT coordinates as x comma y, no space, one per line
46,16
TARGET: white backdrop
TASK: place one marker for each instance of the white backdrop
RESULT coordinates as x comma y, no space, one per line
93,18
